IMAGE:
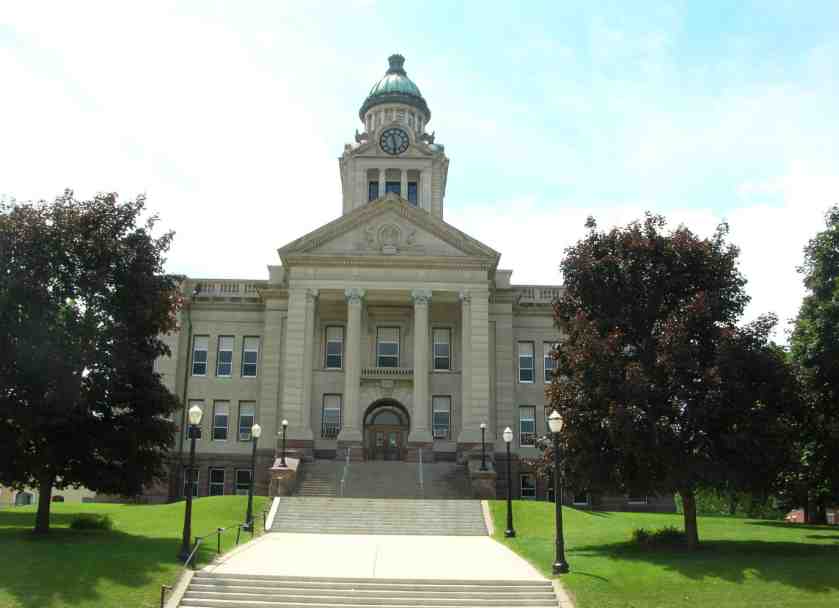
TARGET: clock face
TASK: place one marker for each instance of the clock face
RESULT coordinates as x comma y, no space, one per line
394,141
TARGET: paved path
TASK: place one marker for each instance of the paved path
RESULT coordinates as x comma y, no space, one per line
367,556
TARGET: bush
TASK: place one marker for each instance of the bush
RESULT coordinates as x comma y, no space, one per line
668,536
92,521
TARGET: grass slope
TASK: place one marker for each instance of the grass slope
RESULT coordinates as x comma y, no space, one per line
121,568
741,563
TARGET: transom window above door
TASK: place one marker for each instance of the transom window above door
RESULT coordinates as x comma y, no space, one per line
387,347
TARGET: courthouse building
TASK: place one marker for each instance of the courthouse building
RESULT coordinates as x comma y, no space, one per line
382,334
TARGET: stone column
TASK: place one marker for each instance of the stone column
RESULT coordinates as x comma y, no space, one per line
420,432
403,184
475,375
308,356
425,190
270,368
351,418
382,181
293,406
465,364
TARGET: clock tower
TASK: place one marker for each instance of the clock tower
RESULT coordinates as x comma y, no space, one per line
394,153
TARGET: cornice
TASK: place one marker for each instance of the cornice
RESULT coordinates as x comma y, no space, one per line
390,261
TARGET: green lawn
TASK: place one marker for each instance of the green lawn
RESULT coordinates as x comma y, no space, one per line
741,563
123,568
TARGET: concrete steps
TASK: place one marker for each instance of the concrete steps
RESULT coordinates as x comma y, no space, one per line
318,515
254,591
377,479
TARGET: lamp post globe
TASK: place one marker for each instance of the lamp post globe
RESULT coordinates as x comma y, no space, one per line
560,565
256,431
285,426
194,416
483,447
510,532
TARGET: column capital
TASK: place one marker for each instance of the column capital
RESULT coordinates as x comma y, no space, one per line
354,295
420,296
311,295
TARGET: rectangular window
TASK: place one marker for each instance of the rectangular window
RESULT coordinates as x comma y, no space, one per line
250,356
395,187
527,425
387,347
216,482
526,362
412,193
334,347
330,424
200,346
581,498
224,360
243,481
221,414
442,349
550,362
528,486
636,499
194,483
372,190
441,417
247,416
199,403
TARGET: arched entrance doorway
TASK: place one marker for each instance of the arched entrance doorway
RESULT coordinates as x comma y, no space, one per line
386,426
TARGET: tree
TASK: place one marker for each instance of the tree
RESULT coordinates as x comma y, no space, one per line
814,482
83,303
660,391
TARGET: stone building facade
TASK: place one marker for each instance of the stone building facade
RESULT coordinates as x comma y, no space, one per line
384,334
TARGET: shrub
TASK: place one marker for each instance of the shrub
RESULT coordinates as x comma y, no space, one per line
92,521
663,537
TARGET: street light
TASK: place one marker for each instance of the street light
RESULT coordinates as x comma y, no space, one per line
509,532
256,431
285,426
560,566
195,414
483,447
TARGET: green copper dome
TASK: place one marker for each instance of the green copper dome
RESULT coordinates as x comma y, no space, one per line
395,87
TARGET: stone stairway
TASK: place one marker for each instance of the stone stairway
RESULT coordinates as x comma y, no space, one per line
320,515
377,479
320,478
255,591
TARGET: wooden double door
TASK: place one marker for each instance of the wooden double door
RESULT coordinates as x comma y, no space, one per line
385,442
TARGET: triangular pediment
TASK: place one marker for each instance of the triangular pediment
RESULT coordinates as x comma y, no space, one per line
389,228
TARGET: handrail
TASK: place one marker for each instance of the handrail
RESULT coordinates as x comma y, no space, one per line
199,540
422,486
344,473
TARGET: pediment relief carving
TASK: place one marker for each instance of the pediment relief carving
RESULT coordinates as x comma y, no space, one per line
390,238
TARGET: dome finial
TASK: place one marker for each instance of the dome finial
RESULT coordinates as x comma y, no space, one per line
396,62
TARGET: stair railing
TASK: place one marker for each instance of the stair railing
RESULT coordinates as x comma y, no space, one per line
421,481
344,474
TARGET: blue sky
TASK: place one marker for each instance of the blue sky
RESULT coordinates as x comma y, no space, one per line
231,116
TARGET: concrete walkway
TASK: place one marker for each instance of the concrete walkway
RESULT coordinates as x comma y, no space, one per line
386,557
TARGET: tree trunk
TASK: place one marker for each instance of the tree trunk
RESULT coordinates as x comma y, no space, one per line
732,504
820,515
42,518
691,530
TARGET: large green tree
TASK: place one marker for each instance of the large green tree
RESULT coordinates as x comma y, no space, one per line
814,481
83,304
660,390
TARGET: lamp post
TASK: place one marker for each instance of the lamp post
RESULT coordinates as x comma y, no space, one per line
560,566
509,532
256,431
195,414
483,447
285,426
